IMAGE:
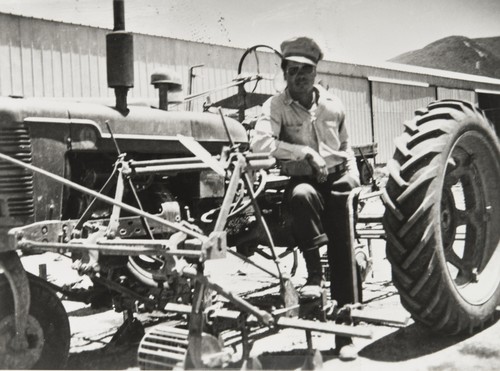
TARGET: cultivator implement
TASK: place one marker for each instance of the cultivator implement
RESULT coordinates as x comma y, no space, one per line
180,256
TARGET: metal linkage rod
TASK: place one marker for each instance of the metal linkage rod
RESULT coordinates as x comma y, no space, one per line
263,223
104,198
249,261
133,248
263,316
325,327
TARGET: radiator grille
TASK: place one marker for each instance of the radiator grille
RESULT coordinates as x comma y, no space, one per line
16,184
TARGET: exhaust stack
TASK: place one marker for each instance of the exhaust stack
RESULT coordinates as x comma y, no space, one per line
120,57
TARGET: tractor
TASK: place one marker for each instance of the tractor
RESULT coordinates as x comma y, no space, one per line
140,198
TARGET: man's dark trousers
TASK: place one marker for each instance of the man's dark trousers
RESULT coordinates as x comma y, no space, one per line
319,216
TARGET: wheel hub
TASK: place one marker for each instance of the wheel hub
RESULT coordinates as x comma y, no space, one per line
464,229
13,354
448,220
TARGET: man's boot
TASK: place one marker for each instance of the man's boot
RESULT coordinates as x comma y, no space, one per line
345,348
314,284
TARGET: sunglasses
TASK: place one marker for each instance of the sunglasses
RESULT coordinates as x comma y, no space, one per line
294,70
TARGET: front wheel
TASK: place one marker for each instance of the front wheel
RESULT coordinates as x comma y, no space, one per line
47,330
443,215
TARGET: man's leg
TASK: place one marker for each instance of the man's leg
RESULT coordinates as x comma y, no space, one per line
339,256
306,207
336,223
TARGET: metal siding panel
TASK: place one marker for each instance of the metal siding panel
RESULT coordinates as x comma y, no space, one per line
461,94
150,64
57,75
26,57
136,88
140,71
199,82
217,80
354,93
211,82
48,72
270,70
393,104
223,77
93,60
5,81
76,67
178,50
167,51
183,72
9,41
16,66
101,65
66,61
84,71
153,57
38,40
37,72
264,87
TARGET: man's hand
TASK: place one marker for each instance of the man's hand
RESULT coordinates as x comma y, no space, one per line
317,163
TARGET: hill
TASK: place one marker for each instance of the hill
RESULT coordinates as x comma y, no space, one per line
458,53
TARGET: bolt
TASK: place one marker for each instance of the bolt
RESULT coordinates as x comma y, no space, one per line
19,342
42,271
487,213
474,275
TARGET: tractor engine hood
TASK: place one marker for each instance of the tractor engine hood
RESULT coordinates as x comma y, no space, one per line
143,129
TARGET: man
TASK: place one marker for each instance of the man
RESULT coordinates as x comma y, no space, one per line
303,127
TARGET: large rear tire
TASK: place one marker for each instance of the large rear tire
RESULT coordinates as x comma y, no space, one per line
47,331
442,217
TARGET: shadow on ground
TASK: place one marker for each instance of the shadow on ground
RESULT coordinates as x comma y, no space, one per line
107,358
411,342
407,343
290,360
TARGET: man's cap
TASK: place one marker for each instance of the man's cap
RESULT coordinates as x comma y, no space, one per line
301,50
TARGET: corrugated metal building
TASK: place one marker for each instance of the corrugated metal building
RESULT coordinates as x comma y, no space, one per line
53,59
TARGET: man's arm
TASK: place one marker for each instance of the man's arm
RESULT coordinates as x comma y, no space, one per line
265,139
265,132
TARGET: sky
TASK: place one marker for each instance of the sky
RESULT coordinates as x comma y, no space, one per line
369,31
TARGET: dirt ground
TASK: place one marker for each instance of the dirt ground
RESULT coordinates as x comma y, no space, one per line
408,347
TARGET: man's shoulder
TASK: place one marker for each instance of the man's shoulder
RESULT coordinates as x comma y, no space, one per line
279,99
282,96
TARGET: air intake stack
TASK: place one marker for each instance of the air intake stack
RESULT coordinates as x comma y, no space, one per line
120,57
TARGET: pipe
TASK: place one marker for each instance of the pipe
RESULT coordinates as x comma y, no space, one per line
120,57
119,15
